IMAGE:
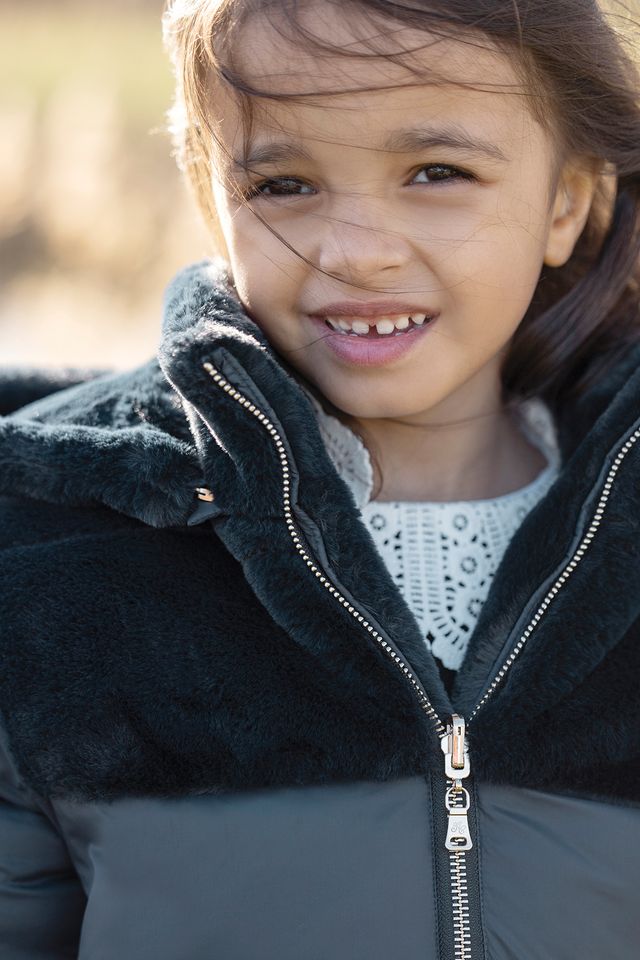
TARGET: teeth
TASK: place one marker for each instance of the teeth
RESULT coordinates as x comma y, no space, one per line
384,326
359,326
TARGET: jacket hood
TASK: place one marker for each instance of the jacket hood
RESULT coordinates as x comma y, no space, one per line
217,409
55,424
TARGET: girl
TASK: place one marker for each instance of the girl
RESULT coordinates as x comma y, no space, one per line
320,631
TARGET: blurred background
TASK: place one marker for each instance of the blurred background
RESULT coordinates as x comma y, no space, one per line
94,218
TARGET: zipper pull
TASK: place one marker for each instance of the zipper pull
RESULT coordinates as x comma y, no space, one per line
457,801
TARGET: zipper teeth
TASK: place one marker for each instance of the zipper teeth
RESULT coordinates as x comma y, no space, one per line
299,545
457,859
460,899
566,572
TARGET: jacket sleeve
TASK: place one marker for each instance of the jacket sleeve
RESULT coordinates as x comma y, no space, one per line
41,898
20,386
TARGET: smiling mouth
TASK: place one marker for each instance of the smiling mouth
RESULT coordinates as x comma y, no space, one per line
393,326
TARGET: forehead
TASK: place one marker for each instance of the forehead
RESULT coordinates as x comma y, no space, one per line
464,80
270,51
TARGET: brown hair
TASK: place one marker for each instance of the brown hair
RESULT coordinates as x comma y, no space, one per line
577,63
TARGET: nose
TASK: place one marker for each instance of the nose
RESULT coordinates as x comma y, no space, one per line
360,241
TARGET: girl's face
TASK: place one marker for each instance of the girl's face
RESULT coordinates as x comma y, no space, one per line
417,200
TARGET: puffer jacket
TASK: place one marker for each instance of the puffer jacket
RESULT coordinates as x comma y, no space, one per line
223,737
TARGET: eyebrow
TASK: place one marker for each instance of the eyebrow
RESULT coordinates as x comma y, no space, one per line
451,137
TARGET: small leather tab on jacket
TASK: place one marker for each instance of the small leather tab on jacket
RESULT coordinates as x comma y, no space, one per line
204,510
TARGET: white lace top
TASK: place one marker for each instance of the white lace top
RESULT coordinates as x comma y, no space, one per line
442,556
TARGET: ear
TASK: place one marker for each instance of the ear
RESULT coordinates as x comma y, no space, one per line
571,206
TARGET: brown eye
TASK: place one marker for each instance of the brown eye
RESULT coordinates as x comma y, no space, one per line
442,173
276,187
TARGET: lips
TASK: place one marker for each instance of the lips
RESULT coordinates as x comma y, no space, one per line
373,310
371,348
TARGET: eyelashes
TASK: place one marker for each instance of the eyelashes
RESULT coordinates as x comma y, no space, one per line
284,186
457,173
277,184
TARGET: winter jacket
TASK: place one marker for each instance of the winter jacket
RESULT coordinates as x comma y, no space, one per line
223,737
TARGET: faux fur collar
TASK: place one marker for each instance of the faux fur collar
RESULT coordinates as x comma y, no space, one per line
141,443
55,421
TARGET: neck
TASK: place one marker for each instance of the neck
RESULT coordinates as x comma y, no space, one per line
446,455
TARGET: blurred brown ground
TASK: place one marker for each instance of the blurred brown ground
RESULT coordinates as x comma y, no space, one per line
94,218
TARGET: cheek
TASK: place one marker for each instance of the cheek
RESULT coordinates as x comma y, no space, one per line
262,264
265,292
495,269
253,253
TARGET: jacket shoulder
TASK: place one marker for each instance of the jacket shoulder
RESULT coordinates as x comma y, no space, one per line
120,440
20,386
28,523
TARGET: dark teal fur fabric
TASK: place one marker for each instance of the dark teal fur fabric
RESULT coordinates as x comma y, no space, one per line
148,651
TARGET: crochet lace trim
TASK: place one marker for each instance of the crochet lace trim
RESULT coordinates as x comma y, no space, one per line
442,556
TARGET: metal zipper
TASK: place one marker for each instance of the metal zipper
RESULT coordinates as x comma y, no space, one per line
298,542
452,737
457,767
565,573
457,855
460,900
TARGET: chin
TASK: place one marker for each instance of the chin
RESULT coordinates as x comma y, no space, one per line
371,405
